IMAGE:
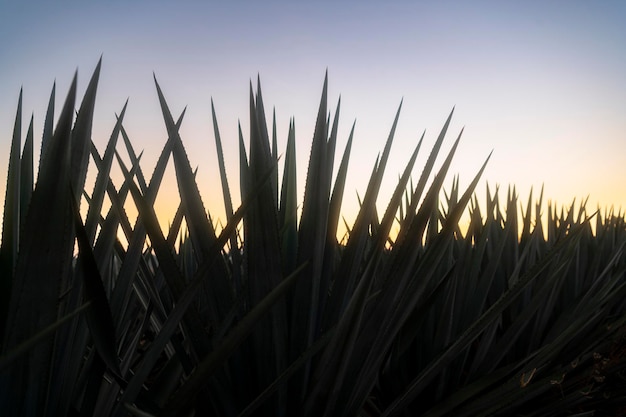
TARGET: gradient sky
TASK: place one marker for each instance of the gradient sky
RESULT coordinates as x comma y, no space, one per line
542,85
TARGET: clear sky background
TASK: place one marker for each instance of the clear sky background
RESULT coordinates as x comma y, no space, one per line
543,84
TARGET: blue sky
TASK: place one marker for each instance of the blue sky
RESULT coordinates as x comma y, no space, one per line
542,84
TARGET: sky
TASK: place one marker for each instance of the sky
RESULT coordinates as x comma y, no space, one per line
541,84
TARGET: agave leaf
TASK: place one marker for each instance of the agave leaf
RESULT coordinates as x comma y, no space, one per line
410,330
405,253
171,271
184,301
81,133
274,151
340,182
159,169
98,315
333,365
311,240
383,232
220,160
468,392
228,205
334,211
264,134
236,336
133,410
133,157
10,219
26,174
34,296
183,296
103,248
486,280
10,357
117,205
131,351
501,397
355,247
400,296
289,372
554,282
539,362
118,198
587,306
394,203
594,288
288,211
166,382
79,149
188,189
479,325
262,256
69,371
77,336
421,184
129,267
407,246
489,356
102,179
527,217
337,366
47,127
321,240
200,231
176,226
332,143
244,175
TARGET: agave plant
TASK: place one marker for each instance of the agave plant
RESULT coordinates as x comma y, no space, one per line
273,315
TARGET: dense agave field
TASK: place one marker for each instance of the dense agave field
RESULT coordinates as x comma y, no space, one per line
520,314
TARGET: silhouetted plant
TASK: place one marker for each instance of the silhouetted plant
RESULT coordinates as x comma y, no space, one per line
272,316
